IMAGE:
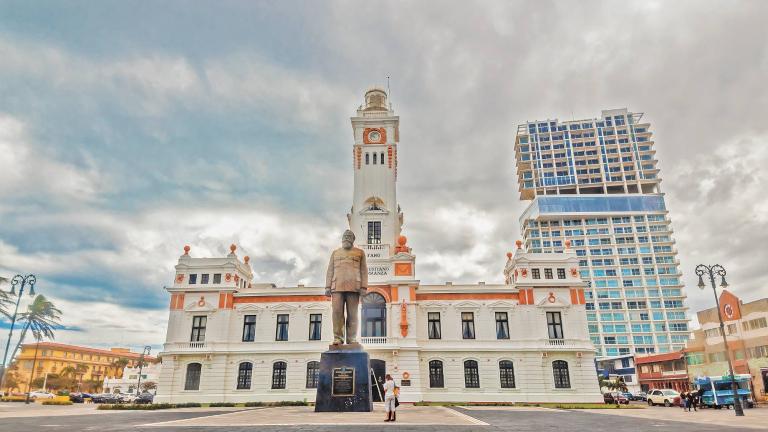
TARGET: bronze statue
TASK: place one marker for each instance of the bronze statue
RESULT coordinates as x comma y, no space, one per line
345,281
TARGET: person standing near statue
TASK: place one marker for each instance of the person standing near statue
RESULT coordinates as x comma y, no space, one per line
345,282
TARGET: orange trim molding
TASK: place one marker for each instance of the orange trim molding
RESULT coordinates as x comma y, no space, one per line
280,299
403,269
385,292
467,296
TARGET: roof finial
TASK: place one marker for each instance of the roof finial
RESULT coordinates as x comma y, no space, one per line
232,248
186,250
519,244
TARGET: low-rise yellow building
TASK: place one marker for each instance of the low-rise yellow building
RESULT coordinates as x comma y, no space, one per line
89,366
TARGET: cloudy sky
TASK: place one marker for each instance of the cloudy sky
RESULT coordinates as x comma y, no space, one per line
128,130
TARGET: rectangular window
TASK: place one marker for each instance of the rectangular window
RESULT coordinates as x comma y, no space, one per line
192,279
554,325
502,325
198,328
249,328
217,278
561,273
468,325
547,273
535,273
204,278
433,325
374,232
313,373
281,333
315,326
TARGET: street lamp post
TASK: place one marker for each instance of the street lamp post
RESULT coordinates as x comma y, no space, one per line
711,271
144,352
21,282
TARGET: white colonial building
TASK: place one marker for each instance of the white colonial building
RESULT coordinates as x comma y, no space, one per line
231,339
130,379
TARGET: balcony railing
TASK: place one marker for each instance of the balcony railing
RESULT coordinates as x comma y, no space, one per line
187,346
375,340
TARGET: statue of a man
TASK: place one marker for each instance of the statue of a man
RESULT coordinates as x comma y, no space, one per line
345,281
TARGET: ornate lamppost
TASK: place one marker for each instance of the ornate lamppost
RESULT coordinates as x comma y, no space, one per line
711,271
22,282
144,352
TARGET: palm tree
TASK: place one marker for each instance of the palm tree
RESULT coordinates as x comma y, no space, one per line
119,365
5,300
41,317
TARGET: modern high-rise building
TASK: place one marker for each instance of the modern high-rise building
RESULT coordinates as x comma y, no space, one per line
596,183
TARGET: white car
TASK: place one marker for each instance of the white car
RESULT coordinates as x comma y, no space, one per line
126,397
40,394
666,397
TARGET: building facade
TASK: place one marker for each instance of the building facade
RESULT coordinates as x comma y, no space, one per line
232,339
128,382
596,183
663,371
746,328
88,365
619,367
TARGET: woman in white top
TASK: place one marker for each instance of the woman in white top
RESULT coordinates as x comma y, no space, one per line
389,397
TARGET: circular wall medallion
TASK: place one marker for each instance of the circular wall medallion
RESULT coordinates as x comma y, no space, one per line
374,136
728,310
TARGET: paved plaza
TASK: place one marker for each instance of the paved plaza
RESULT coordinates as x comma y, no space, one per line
16,417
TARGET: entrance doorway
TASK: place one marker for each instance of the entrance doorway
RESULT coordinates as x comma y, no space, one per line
379,371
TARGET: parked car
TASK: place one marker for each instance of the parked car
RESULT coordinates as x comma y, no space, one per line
641,396
126,397
628,395
79,397
106,398
615,398
144,398
667,397
41,394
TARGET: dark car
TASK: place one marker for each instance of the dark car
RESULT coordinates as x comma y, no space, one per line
628,395
615,398
144,398
105,398
641,396
79,397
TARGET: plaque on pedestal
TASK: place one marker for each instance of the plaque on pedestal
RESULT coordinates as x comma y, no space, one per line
344,381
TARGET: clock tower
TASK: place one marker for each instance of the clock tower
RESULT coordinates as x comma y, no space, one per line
375,217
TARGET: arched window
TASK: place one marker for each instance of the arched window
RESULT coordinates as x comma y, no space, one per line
374,158
278,375
507,374
313,371
244,373
560,371
374,315
367,158
382,158
436,374
192,380
471,374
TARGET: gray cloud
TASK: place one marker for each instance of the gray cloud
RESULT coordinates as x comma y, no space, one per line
209,135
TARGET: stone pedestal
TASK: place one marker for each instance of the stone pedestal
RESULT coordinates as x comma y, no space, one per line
344,383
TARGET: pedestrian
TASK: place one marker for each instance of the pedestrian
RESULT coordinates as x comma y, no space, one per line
684,400
691,401
389,398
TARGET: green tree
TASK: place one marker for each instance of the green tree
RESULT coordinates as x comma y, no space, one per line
119,365
41,317
5,300
148,385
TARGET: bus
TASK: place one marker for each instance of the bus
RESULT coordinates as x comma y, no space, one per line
717,391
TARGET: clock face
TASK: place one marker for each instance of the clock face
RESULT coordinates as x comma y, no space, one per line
374,136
